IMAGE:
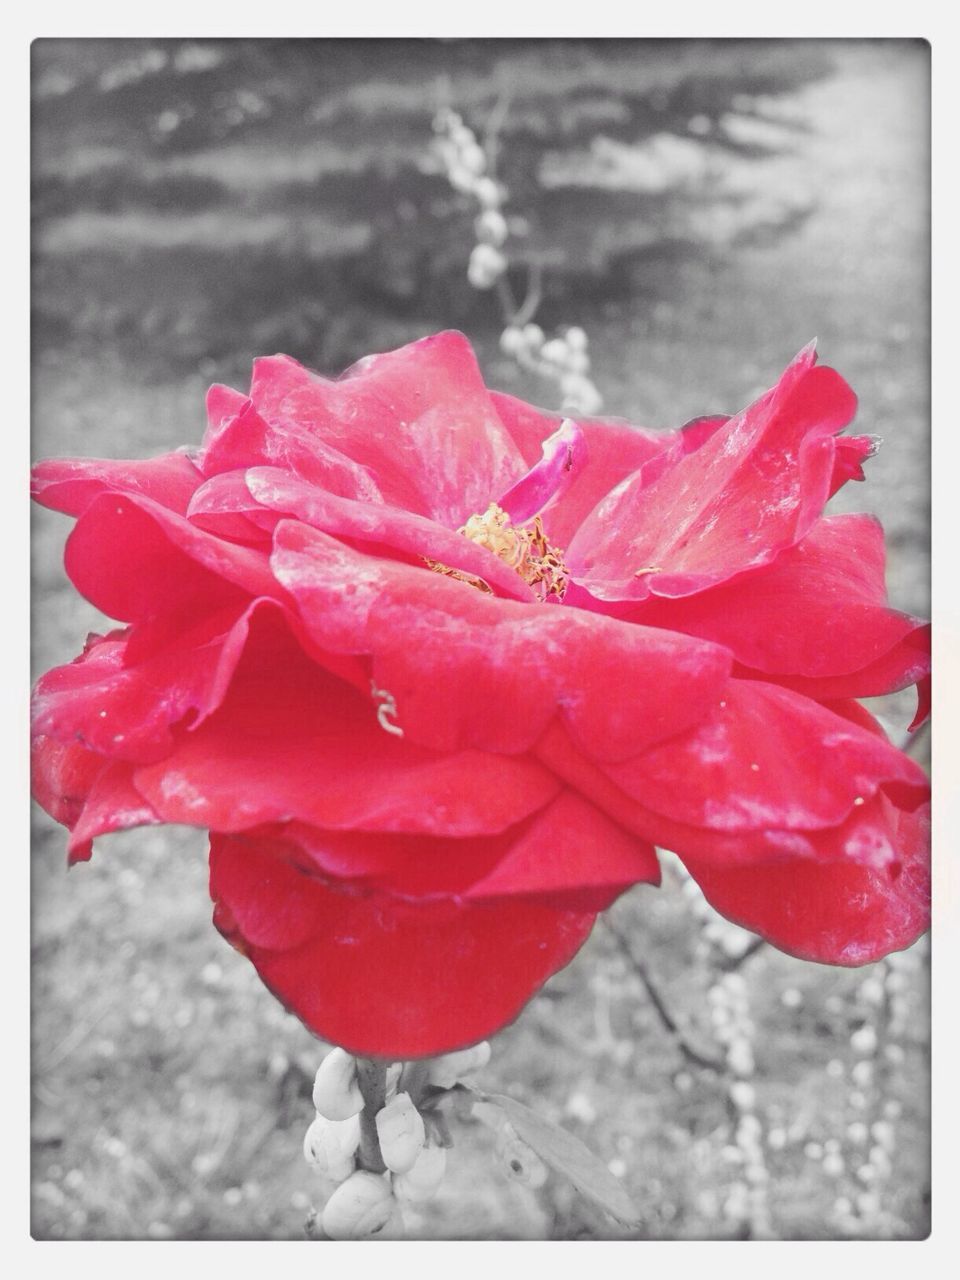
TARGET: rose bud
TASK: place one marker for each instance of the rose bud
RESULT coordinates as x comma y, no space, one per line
361,1208
424,1177
329,1145
401,1133
445,1072
521,1160
336,1093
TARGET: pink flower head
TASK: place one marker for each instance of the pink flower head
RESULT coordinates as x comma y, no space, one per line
439,671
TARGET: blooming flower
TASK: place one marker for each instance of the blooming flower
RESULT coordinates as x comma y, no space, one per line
438,671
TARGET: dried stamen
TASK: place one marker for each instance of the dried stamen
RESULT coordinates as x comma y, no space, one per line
525,550
386,707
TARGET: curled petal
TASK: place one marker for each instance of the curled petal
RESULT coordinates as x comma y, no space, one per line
238,437
125,708
615,449
564,457
113,804
851,453
404,533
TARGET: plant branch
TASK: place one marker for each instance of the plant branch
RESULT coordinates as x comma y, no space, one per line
656,999
730,964
372,1078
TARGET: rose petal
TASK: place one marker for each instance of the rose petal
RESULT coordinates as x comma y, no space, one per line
568,854
816,618
615,450
223,506
419,418
71,484
408,534
759,762
134,559
837,913
292,742
863,836
113,804
238,437
466,669
61,775
565,455
378,975
752,489
851,453
126,709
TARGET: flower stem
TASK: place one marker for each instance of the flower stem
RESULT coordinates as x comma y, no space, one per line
372,1078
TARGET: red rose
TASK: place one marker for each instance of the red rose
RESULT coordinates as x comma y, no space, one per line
438,671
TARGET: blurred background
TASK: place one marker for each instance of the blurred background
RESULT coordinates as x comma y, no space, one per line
701,209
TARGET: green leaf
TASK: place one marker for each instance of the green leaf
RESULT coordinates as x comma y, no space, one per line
568,1155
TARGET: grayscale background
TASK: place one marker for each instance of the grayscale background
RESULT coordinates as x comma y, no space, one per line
702,209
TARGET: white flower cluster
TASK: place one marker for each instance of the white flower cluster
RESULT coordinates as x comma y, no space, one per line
465,162
367,1205
884,996
563,359
733,1027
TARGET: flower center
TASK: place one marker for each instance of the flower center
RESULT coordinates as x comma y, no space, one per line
525,549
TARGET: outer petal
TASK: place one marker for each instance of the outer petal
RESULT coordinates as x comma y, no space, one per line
113,804
759,761
816,618
89,797
852,452
291,742
377,975
752,489
135,560
223,506
126,709
71,484
863,837
568,854
420,419
465,669
839,913
61,776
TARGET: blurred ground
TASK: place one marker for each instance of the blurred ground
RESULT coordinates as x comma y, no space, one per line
705,209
